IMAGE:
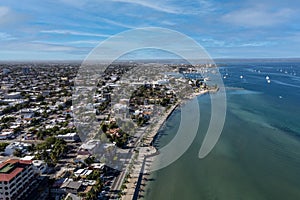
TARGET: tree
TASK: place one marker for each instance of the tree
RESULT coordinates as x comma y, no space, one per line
3,145
60,107
17,130
17,153
40,98
104,128
89,160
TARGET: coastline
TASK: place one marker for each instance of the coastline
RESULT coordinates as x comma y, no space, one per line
138,178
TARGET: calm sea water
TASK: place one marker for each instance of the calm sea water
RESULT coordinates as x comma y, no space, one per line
258,154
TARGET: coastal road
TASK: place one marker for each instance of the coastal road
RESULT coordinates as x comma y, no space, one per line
140,133
116,186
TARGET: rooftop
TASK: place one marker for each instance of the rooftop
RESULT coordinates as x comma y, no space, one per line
11,168
6,168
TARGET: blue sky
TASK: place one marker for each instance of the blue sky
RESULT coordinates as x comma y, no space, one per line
70,29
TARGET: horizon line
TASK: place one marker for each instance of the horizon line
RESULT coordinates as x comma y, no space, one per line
146,59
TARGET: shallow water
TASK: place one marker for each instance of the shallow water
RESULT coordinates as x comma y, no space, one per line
258,154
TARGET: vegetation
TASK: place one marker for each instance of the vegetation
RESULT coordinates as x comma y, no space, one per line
95,175
58,149
7,119
54,131
96,189
3,145
40,98
15,108
89,161
17,153
120,138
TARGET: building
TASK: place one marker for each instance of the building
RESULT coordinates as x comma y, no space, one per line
12,147
63,186
39,166
6,134
13,95
69,137
71,186
16,179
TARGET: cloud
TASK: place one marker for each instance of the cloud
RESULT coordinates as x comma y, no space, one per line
150,4
66,43
92,42
34,46
178,7
168,23
9,17
75,3
257,44
210,42
6,37
77,33
115,23
4,11
257,17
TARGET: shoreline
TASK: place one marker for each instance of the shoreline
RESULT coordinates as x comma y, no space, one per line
138,176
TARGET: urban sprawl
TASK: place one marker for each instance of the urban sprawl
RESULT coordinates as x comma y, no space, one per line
43,154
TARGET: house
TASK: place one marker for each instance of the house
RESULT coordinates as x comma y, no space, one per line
83,173
69,137
71,186
13,95
6,134
10,149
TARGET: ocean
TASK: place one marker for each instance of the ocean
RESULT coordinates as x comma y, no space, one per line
258,154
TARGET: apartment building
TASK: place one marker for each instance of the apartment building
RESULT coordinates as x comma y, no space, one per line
16,178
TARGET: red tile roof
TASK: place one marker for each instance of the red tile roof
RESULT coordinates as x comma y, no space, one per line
16,170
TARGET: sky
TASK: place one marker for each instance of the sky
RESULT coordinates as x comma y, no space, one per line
70,29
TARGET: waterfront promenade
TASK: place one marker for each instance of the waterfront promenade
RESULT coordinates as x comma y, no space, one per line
137,180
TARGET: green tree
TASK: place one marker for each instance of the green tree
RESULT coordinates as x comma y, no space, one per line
17,153
3,145
40,98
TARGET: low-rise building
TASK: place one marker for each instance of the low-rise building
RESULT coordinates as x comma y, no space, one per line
69,137
12,147
13,95
6,134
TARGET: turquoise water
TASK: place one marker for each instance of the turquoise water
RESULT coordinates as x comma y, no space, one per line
258,154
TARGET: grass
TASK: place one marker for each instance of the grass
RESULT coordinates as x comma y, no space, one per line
6,168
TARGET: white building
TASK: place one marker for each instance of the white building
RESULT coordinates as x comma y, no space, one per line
6,134
13,95
10,149
39,166
69,137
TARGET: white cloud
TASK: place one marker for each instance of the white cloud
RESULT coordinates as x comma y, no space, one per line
92,42
152,5
6,37
257,17
257,44
70,32
4,11
36,46
75,3
9,17
115,23
209,42
75,42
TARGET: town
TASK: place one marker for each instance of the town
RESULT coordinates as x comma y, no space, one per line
43,152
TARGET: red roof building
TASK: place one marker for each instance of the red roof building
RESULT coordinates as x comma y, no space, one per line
16,178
